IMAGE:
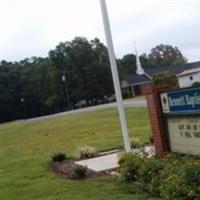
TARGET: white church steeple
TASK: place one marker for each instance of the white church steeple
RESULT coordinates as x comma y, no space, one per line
139,70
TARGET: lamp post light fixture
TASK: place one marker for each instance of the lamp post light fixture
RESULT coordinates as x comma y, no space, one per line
23,105
115,76
22,100
63,78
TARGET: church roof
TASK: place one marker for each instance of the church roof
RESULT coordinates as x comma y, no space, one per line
135,79
176,69
189,71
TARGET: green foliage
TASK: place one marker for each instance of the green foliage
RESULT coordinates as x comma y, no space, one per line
196,84
86,152
150,169
174,177
80,171
38,80
129,166
180,178
166,78
166,55
86,67
127,65
59,157
149,174
136,143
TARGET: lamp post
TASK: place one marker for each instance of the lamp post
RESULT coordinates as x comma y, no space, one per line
115,76
66,90
23,105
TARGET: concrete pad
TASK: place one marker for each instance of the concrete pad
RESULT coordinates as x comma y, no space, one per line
101,163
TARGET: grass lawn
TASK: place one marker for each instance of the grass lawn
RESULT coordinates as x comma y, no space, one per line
26,148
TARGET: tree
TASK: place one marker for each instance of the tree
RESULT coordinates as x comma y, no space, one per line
6,92
127,65
166,55
91,67
38,81
102,66
86,66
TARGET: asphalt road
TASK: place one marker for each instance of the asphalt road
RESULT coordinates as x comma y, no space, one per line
134,103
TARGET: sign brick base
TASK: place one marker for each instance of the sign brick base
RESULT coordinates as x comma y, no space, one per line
152,93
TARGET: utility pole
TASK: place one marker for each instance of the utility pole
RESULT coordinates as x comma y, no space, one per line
115,76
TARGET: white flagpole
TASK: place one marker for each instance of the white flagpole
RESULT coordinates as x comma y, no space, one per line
115,76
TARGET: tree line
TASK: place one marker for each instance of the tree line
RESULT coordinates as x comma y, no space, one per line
75,70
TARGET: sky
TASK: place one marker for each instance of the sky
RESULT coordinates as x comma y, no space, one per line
33,27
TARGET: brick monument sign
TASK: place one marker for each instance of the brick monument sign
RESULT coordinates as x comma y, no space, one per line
175,119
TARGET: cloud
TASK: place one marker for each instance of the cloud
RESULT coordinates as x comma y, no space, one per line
33,27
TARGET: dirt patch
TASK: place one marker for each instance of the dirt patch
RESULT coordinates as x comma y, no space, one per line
66,169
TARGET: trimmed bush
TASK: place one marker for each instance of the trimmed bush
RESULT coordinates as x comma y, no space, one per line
80,172
59,157
149,174
129,166
166,78
175,177
149,169
86,152
196,84
180,178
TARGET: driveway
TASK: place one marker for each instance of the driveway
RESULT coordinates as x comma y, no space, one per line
134,103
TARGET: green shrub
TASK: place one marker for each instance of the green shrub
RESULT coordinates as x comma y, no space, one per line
192,178
149,174
86,152
129,166
175,177
196,84
80,171
136,143
59,157
180,180
166,78
149,169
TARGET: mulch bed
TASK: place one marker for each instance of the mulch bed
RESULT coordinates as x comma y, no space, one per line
66,169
